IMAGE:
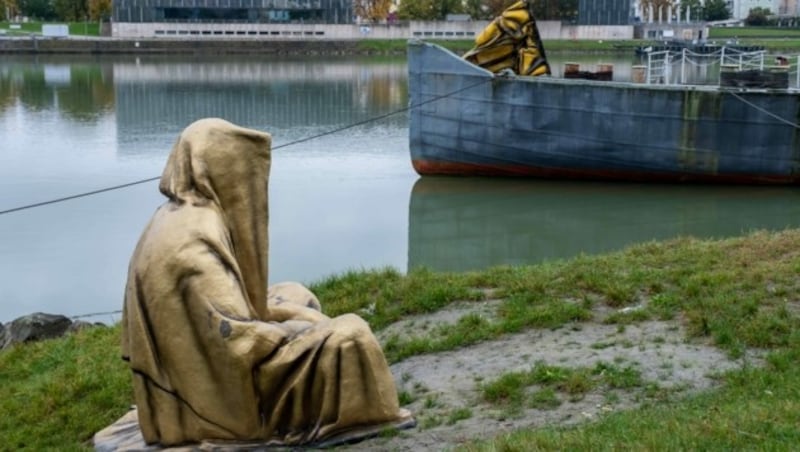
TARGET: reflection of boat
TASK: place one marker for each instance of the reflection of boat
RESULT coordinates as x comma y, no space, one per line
471,122
458,224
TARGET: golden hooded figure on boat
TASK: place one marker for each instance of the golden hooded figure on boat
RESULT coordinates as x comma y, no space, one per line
511,41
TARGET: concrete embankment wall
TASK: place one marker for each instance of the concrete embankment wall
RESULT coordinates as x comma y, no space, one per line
405,30
155,46
278,38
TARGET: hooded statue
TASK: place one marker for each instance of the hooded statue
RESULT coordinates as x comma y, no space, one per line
211,358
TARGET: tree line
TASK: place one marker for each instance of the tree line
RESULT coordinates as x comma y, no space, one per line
379,10
61,10
373,10
564,10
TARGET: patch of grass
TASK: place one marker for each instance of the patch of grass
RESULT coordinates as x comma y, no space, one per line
390,295
458,414
515,315
430,421
509,389
753,32
756,409
577,384
389,432
618,377
25,27
56,394
432,401
405,398
75,28
544,399
84,28
629,317
470,329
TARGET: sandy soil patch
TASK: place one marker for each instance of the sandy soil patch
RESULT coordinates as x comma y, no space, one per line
442,383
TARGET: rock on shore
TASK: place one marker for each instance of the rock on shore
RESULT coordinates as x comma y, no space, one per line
35,327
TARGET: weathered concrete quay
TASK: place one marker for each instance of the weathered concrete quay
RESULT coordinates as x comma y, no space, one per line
175,46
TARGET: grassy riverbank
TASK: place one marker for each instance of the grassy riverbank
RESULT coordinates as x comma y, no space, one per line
35,28
738,294
773,39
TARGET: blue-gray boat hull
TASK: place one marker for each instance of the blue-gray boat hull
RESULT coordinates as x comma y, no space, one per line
465,120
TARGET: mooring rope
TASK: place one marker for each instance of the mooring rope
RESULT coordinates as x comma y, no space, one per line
292,143
762,110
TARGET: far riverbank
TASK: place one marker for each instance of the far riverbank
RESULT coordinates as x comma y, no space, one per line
35,44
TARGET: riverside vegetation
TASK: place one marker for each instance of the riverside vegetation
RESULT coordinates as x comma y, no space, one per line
774,39
739,295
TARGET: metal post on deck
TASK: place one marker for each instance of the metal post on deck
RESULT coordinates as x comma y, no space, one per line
650,65
667,66
798,72
683,66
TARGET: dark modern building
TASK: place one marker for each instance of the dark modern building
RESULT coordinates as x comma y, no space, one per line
234,11
604,12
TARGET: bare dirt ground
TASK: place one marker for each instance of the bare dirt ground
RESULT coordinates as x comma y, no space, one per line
442,383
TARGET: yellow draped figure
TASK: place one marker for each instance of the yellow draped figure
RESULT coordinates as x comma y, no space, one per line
211,358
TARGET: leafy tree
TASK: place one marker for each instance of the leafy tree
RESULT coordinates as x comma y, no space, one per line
8,9
555,9
373,10
445,7
70,10
542,9
716,10
99,9
428,9
758,16
476,9
695,9
37,9
496,7
417,10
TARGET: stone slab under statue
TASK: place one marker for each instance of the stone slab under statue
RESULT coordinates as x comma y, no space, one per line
216,356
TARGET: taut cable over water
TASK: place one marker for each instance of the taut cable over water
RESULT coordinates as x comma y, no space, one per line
292,143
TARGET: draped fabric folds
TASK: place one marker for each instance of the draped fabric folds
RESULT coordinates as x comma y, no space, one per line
210,357
511,42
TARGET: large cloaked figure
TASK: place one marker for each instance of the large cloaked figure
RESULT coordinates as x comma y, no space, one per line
211,358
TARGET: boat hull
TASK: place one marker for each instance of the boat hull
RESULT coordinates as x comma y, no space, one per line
466,121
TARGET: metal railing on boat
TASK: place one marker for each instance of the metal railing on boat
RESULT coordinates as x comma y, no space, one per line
687,67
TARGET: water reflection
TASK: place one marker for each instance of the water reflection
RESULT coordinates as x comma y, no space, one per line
82,92
292,100
458,224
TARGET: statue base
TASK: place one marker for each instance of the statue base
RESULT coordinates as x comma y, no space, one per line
124,434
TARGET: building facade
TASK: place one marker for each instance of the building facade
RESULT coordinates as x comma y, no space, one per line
740,9
604,12
234,11
787,8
